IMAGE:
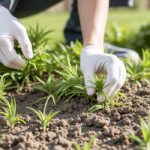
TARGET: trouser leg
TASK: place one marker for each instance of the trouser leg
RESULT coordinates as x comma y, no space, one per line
29,7
72,30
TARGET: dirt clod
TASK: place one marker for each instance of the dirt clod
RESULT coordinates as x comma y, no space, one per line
126,121
101,122
116,116
63,123
74,124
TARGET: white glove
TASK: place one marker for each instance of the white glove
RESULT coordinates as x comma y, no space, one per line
93,61
11,29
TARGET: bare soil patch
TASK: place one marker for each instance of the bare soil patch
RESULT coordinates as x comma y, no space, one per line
75,124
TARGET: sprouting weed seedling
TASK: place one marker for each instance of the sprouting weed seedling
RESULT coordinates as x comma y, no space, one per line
144,142
10,113
69,84
95,108
38,36
86,146
48,87
72,83
98,81
43,118
76,47
138,72
59,53
108,104
3,86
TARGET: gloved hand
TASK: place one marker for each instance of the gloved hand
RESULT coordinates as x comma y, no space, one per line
10,30
93,61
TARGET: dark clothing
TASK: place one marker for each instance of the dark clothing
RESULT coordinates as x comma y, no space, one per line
118,3
23,8
72,30
30,7
5,3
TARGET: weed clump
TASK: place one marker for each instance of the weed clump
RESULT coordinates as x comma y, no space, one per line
9,111
86,145
139,72
144,142
43,118
70,84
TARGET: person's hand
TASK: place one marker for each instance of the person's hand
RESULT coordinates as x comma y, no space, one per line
93,61
10,30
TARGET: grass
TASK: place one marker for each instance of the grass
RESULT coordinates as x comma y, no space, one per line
124,17
50,21
128,17
108,104
3,86
144,142
9,111
86,145
62,64
141,71
43,118
69,84
69,81
39,36
35,67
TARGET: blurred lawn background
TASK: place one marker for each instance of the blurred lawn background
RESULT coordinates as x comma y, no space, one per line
130,18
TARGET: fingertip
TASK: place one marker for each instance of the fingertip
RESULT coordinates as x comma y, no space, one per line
25,44
27,51
90,91
20,63
29,55
101,98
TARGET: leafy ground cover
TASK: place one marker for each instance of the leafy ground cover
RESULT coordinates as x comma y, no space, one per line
45,106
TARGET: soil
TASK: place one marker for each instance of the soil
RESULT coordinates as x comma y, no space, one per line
75,124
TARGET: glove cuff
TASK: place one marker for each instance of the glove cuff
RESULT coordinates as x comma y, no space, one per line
3,9
92,48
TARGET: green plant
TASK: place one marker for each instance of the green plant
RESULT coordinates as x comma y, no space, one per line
69,84
108,104
38,36
72,83
36,67
9,111
48,87
76,47
86,145
43,118
1,139
3,86
59,53
144,142
141,71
